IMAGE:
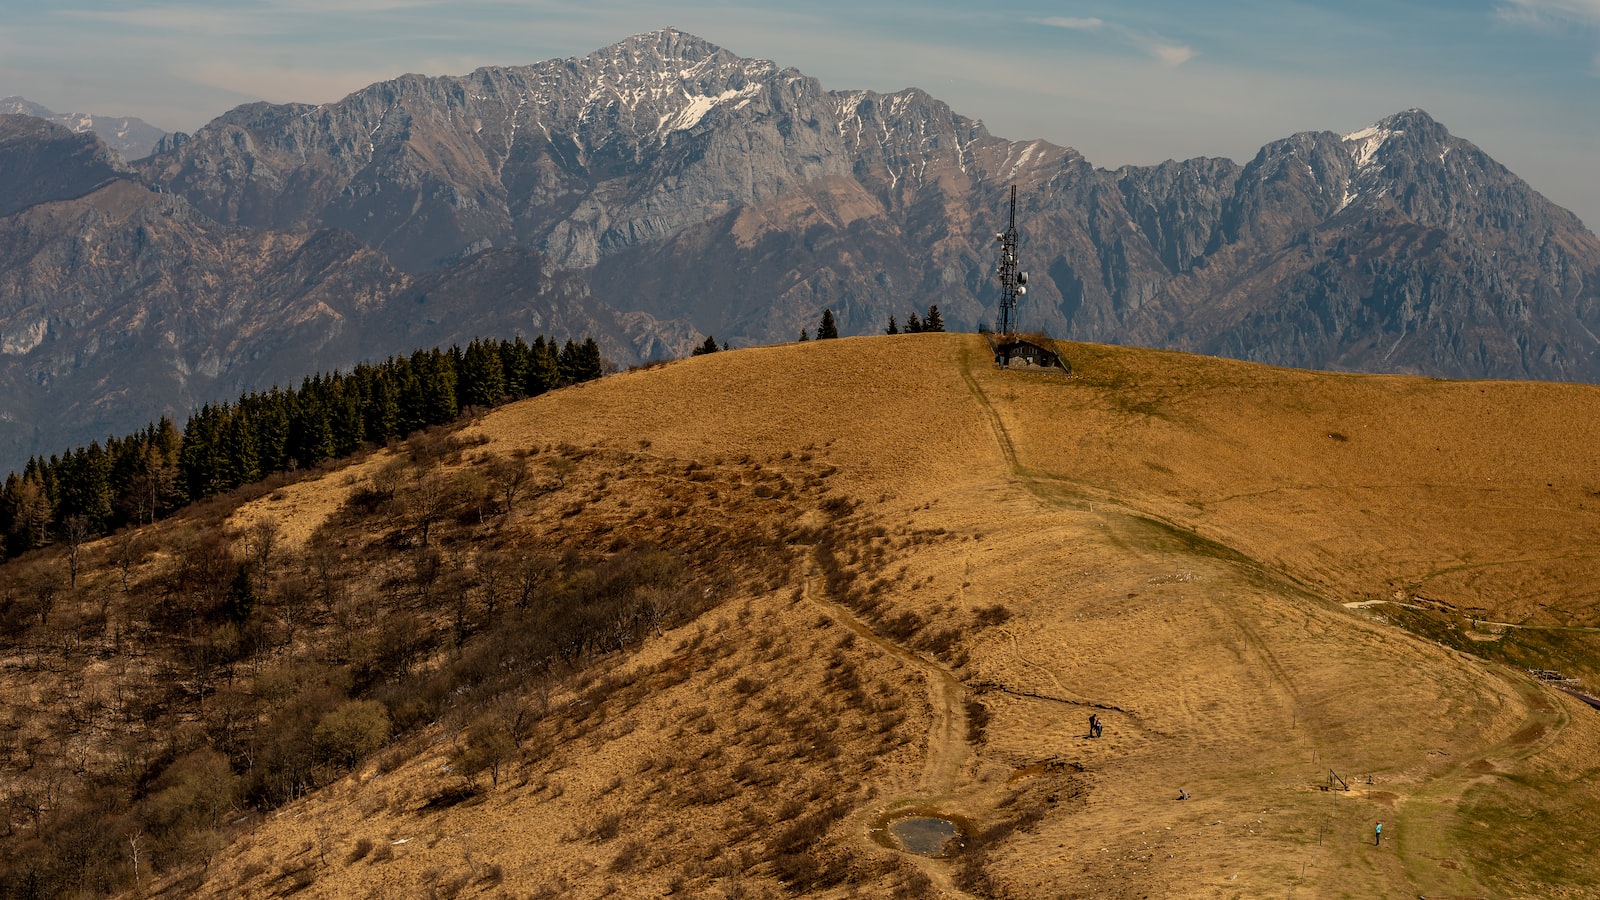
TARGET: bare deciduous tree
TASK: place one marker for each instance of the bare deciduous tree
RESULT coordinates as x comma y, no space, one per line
261,540
509,477
77,532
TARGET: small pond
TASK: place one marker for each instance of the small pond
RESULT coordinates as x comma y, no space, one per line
924,835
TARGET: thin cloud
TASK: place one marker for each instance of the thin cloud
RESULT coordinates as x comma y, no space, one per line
1171,54
1075,24
1168,53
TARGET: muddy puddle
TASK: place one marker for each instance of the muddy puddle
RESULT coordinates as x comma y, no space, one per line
926,835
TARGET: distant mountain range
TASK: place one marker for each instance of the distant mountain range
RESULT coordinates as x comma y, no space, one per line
663,188
131,137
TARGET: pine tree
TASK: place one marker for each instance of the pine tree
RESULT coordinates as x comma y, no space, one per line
580,362
544,369
710,346
934,321
197,456
593,364
804,335
827,329
381,411
482,381
913,324
893,327
514,358
437,376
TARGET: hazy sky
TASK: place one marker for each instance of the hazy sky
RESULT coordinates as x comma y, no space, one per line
1132,81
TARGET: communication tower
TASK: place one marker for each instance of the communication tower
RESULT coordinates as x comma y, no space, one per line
1013,283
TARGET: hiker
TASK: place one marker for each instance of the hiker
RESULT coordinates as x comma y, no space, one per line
1094,725
1377,839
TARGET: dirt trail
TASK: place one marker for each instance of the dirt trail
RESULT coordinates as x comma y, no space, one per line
948,747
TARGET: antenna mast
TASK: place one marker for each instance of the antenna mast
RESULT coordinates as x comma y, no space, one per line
1013,283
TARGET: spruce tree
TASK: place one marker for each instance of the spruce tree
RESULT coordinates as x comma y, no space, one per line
893,328
913,324
710,346
544,369
590,363
482,381
934,321
827,329
514,358
804,336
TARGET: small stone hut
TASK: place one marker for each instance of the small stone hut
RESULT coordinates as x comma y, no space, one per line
1027,351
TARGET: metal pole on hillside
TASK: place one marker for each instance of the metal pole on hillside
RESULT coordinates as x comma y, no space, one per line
1013,283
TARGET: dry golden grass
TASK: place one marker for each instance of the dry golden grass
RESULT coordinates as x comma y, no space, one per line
1174,539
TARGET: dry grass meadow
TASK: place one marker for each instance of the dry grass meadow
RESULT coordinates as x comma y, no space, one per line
1253,576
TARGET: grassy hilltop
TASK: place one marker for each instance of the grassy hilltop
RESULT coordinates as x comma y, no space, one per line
901,580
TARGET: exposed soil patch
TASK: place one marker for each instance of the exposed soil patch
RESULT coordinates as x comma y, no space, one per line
1052,766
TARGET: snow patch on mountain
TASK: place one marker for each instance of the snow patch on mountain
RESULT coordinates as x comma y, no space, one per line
1365,144
700,104
1363,147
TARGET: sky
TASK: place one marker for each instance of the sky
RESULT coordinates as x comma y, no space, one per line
1121,81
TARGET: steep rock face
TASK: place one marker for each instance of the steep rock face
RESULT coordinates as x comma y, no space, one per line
132,138
1179,206
41,161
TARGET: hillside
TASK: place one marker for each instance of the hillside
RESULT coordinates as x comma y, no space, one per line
910,580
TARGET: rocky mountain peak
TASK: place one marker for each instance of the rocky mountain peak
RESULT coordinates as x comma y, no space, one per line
666,44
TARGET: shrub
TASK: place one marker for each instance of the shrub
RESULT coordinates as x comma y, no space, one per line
992,615
362,848
351,731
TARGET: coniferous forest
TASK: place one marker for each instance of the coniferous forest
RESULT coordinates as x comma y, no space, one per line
92,491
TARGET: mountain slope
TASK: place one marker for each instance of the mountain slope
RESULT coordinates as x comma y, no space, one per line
1210,556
